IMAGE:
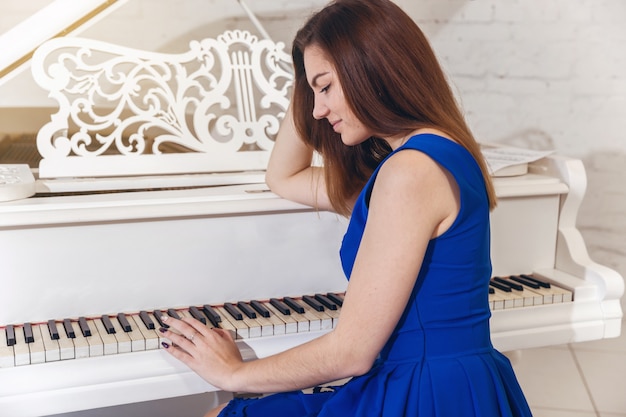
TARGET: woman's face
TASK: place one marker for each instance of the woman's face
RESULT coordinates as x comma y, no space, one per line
330,103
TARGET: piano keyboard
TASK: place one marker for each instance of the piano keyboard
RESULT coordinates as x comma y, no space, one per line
57,340
524,291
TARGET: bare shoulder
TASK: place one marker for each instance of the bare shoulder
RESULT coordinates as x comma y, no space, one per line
411,183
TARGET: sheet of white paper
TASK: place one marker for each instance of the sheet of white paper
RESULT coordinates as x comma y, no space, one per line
499,157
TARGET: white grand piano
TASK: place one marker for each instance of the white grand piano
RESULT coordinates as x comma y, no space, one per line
150,195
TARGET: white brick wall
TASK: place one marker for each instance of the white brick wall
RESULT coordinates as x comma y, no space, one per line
547,74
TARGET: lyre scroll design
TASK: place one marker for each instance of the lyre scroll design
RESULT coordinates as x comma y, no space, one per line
122,111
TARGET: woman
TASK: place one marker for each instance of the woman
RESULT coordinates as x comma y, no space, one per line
399,159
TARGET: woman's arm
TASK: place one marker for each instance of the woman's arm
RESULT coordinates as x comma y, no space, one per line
413,200
289,172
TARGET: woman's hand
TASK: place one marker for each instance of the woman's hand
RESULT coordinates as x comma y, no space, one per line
211,353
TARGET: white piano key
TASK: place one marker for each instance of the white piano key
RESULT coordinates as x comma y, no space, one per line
67,347
290,324
22,352
243,332
52,351
7,353
137,340
37,348
109,342
325,321
151,337
507,298
124,342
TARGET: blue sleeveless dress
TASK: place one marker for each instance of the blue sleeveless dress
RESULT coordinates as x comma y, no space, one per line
439,360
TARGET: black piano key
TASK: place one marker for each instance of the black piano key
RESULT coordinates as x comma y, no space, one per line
502,287
508,283
491,290
233,311
69,329
326,302
522,281
157,315
247,310
108,325
52,328
143,315
335,298
28,333
293,304
260,308
121,318
10,331
280,306
172,313
313,302
544,284
84,327
212,315
196,314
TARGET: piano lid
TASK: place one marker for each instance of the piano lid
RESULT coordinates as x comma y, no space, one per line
59,18
126,115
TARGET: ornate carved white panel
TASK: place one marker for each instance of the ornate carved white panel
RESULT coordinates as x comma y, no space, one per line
122,111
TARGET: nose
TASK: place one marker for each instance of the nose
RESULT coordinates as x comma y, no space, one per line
319,109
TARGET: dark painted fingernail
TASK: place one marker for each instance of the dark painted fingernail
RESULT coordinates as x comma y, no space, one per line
165,345
162,329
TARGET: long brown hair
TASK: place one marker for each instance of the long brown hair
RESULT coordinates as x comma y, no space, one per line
391,80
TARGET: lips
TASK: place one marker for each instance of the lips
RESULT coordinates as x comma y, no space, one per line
335,124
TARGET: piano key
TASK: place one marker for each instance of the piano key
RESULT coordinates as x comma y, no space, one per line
559,295
336,298
20,349
151,336
293,304
534,287
313,303
36,347
211,314
157,314
541,283
260,308
233,311
124,324
147,320
507,297
107,324
66,345
52,352
280,306
196,314
69,329
28,333
318,318
96,342
10,335
137,340
246,309
80,343
326,302
85,328
499,286
278,325
52,329
290,323
7,353
108,340
508,283
265,325
173,313
229,322
124,340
